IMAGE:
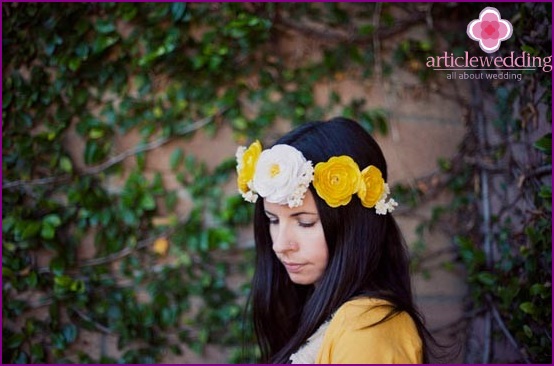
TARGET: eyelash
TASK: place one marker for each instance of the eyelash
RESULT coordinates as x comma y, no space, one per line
301,224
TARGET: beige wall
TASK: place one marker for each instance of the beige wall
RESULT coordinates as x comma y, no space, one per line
424,125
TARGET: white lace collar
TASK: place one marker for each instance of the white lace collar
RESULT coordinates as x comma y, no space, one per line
307,353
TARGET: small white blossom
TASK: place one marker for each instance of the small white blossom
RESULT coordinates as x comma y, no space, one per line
239,154
382,207
387,190
250,196
304,181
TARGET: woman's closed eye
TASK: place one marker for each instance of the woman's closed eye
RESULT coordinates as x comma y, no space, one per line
273,221
305,224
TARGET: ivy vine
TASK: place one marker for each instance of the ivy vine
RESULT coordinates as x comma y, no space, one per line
500,217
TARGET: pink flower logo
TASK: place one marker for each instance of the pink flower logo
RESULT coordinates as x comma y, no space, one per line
490,29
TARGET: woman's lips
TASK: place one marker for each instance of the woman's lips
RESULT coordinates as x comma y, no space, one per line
293,267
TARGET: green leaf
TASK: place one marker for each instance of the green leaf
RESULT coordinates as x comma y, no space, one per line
82,50
63,281
37,352
22,358
48,231
78,286
204,336
536,289
425,45
103,42
178,10
141,160
197,347
8,223
29,327
32,279
157,186
15,340
104,26
147,202
9,247
486,278
6,99
58,341
57,266
92,152
31,229
529,49
8,273
444,164
128,11
528,308
544,144
175,159
69,332
74,63
52,219
168,316
65,164
96,133
366,29
527,330
546,192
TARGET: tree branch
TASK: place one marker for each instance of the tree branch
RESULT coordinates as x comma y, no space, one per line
101,328
537,172
147,147
114,256
93,170
327,33
504,329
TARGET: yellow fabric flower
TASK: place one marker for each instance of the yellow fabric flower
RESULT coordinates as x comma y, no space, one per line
246,164
372,187
337,180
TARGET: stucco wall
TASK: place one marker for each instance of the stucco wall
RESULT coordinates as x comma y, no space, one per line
424,124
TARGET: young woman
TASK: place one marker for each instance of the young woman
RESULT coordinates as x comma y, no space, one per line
332,283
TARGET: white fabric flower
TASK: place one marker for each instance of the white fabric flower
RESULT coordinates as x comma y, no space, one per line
282,175
382,207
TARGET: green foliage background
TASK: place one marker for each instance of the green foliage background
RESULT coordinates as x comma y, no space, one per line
167,70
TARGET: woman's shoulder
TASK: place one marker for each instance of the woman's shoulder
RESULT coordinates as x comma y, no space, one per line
367,330
360,303
362,311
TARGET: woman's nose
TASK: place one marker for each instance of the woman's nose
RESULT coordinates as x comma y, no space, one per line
283,241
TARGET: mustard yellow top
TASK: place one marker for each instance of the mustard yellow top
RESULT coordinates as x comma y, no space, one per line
348,339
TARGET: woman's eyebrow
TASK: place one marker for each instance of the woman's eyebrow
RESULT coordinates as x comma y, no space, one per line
302,213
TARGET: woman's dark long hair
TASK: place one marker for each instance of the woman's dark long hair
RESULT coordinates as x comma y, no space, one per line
367,254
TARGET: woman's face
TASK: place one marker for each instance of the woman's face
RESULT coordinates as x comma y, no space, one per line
298,239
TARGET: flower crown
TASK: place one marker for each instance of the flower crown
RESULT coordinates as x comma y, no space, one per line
282,175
